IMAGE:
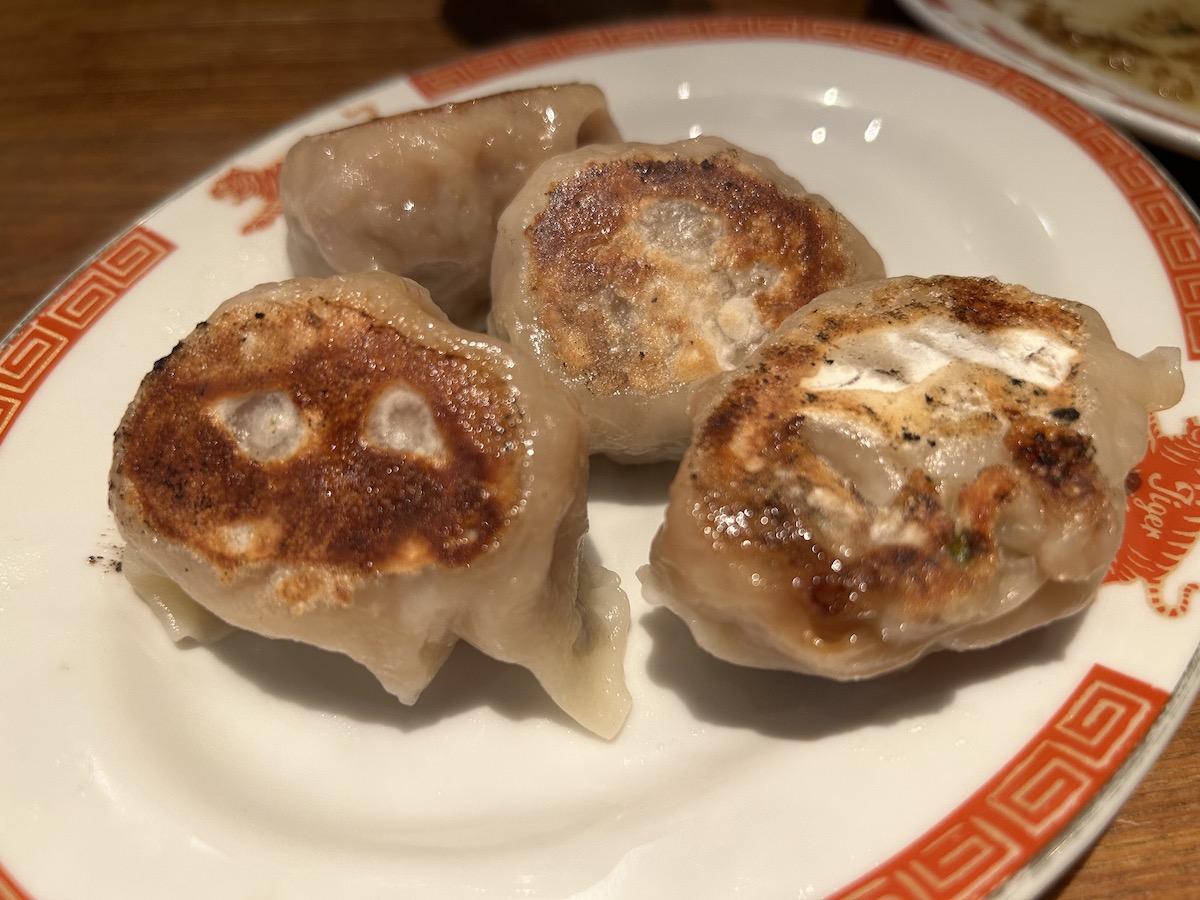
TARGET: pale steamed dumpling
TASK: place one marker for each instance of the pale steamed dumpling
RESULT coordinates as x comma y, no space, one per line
419,193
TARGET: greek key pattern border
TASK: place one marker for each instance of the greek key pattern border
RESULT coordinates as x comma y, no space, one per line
1019,811
33,351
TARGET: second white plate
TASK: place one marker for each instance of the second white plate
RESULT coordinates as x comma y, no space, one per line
993,30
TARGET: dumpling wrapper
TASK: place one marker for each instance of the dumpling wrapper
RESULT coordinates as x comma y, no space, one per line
635,271
906,465
419,193
332,461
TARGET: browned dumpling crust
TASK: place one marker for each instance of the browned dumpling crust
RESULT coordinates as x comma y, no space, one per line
419,193
907,464
635,271
330,460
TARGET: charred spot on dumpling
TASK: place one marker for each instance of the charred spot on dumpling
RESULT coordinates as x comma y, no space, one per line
316,435
1061,459
667,269
986,304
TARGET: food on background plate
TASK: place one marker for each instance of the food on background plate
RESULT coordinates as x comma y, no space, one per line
905,465
635,271
1152,44
332,461
419,193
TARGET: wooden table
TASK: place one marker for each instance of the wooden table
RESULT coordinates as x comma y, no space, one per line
107,108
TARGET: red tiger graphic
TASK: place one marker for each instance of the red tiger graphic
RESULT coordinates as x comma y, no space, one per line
239,185
1162,516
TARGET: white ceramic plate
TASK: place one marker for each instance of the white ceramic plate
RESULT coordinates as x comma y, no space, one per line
994,30
131,767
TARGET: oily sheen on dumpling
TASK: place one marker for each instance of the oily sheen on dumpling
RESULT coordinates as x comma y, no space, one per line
419,193
634,271
906,465
332,461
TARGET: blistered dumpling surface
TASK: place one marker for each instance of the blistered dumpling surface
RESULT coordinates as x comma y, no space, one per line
908,464
635,271
419,193
332,461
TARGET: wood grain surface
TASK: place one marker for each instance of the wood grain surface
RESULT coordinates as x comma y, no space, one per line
107,108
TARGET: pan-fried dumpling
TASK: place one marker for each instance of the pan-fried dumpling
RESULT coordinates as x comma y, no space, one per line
419,193
906,465
330,460
635,271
